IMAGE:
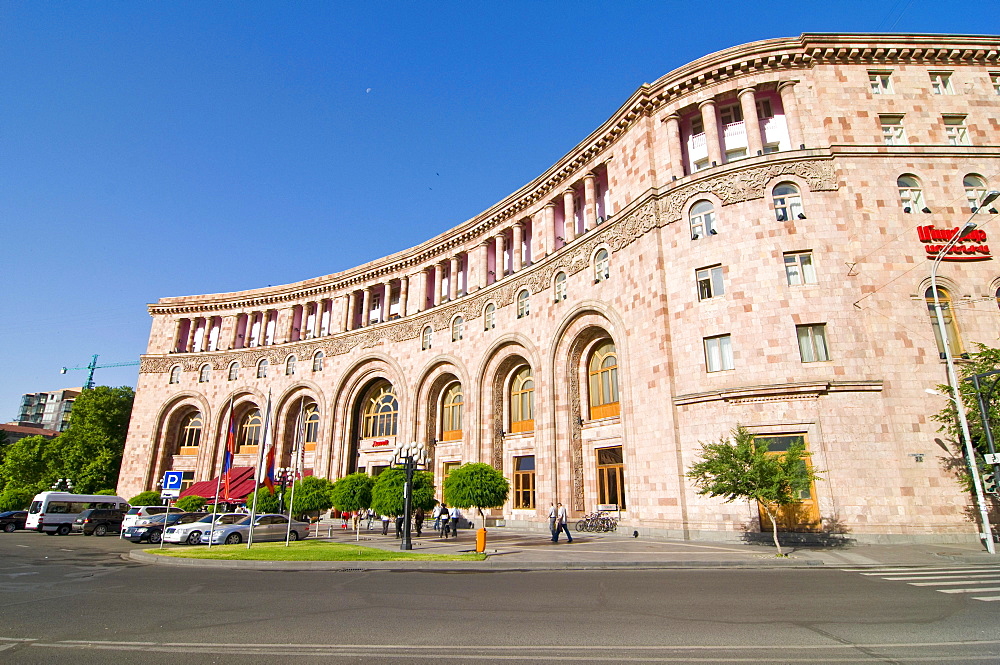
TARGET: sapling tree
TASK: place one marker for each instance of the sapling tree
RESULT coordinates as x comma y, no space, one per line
476,485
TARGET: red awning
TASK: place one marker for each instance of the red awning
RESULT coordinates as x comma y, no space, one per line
241,483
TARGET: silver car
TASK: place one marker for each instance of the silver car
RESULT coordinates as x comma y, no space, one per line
266,527
192,532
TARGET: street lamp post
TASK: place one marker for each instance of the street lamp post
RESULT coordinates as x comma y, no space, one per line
410,455
953,380
284,473
983,401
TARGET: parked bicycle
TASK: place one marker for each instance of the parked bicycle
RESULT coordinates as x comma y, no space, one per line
597,522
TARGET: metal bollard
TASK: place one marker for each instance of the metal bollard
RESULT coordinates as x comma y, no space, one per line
481,540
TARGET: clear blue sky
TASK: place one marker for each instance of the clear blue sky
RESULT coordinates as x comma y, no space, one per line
173,148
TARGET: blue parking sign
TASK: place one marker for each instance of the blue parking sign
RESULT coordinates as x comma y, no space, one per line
172,480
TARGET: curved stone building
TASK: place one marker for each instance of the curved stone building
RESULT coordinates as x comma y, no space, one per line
746,241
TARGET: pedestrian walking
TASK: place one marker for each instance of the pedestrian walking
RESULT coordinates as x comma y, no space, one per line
562,523
454,515
444,519
385,525
399,526
437,516
553,515
418,520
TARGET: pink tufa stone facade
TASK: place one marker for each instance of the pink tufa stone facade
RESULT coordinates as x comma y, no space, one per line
797,311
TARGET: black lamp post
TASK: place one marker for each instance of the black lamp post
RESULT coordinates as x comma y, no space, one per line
409,455
284,473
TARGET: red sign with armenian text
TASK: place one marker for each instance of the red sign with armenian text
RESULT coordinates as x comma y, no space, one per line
972,247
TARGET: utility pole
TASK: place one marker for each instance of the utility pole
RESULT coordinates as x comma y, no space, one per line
92,366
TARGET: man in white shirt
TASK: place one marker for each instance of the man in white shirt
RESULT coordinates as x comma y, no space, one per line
553,515
454,513
562,523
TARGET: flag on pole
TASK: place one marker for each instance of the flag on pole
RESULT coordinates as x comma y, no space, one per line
300,445
266,471
227,456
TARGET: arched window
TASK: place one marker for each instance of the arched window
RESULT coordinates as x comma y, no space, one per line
311,427
702,217
249,433
175,374
603,371
951,330
522,401
523,304
205,373
975,190
490,317
457,328
561,287
381,412
787,202
190,434
602,265
234,371
262,369
425,338
451,413
911,194
290,365
318,361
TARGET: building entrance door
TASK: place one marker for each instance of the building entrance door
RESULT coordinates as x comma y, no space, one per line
803,515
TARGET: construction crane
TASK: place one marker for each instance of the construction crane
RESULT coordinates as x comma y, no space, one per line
92,366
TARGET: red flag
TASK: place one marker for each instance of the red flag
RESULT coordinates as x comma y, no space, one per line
227,458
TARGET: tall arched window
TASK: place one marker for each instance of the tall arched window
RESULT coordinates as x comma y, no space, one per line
311,427
318,361
457,328
175,374
911,194
205,373
603,371
249,433
490,317
425,338
381,412
702,218
522,401
262,369
290,365
787,202
451,413
561,287
975,190
234,370
190,434
949,321
602,265
523,304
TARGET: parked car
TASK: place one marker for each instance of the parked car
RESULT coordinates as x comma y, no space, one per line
151,529
266,527
13,520
99,521
137,513
192,532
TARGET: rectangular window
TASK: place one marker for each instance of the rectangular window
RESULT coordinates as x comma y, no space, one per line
995,81
697,126
611,476
719,353
701,164
764,111
880,82
187,480
892,129
799,268
941,83
812,342
955,130
736,153
771,147
524,481
709,282
730,114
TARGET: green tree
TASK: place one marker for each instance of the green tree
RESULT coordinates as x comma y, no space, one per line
190,503
476,485
13,498
26,466
149,498
313,495
266,502
353,493
742,469
387,493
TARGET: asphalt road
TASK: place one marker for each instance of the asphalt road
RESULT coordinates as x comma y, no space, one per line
74,599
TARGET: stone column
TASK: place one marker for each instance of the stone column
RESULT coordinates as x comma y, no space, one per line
708,119
179,325
404,287
438,283
500,265
344,303
516,254
321,306
537,236
482,279
589,202
787,91
386,300
569,216
352,300
748,103
192,329
676,156
366,307
549,220
283,326
452,278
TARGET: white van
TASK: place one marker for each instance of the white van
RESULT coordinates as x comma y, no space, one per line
54,512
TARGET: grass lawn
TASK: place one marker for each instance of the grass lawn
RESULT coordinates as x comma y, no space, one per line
308,550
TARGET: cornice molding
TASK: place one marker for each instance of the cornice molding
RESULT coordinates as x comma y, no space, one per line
779,391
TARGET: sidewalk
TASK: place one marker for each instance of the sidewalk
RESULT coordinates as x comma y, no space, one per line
510,549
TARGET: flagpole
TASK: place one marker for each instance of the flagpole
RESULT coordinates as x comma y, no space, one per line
260,461
297,467
218,484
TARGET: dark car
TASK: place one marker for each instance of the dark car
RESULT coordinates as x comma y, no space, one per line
99,521
13,520
151,529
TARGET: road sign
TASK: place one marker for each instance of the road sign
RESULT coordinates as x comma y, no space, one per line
172,480
169,494
992,458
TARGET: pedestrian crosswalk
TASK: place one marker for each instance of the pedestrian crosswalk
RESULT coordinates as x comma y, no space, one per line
980,582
